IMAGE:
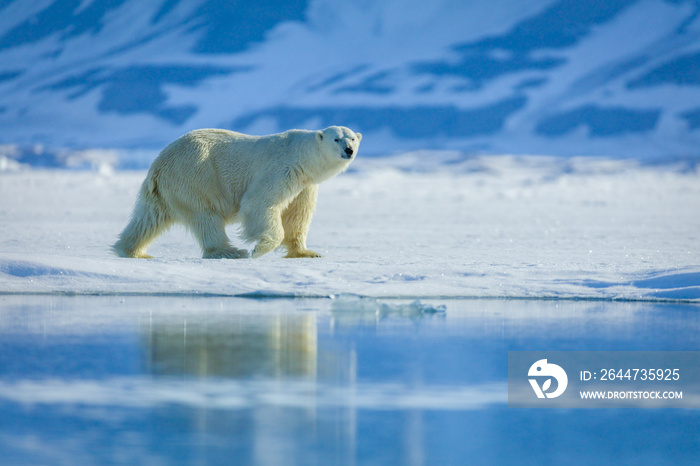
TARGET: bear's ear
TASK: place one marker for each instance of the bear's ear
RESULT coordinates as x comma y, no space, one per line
359,136
319,135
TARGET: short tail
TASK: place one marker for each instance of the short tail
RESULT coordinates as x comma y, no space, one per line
149,219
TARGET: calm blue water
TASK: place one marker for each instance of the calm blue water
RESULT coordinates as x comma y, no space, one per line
134,380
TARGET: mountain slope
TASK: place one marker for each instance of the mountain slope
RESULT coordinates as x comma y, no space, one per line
615,77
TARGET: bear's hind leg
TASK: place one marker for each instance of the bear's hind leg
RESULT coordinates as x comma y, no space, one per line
263,226
209,229
296,220
147,222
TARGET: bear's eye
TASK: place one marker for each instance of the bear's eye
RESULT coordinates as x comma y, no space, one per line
337,140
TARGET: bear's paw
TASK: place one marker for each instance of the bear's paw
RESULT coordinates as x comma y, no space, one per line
302,253
225,253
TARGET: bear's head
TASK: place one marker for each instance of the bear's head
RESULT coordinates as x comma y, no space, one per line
337,146
339,143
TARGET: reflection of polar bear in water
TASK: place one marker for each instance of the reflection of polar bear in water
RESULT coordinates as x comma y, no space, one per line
212,177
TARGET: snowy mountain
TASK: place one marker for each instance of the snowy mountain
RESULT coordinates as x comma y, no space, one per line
563,77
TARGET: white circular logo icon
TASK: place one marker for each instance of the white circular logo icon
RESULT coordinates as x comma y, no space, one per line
542,369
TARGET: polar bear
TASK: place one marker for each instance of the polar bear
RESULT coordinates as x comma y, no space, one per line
211,177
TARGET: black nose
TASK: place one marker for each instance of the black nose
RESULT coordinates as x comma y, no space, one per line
348,151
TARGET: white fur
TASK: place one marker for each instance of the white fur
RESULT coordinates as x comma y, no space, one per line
211,177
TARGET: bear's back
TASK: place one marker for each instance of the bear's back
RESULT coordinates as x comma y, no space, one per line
235,156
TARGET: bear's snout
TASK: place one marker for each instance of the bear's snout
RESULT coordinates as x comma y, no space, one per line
348,150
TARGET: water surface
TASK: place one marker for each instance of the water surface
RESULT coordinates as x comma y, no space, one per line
184,380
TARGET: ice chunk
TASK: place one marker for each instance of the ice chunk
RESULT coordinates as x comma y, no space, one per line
352,305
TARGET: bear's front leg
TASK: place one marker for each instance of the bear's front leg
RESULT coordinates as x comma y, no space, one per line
296,220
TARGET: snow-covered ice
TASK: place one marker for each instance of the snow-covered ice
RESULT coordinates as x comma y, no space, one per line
417,226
